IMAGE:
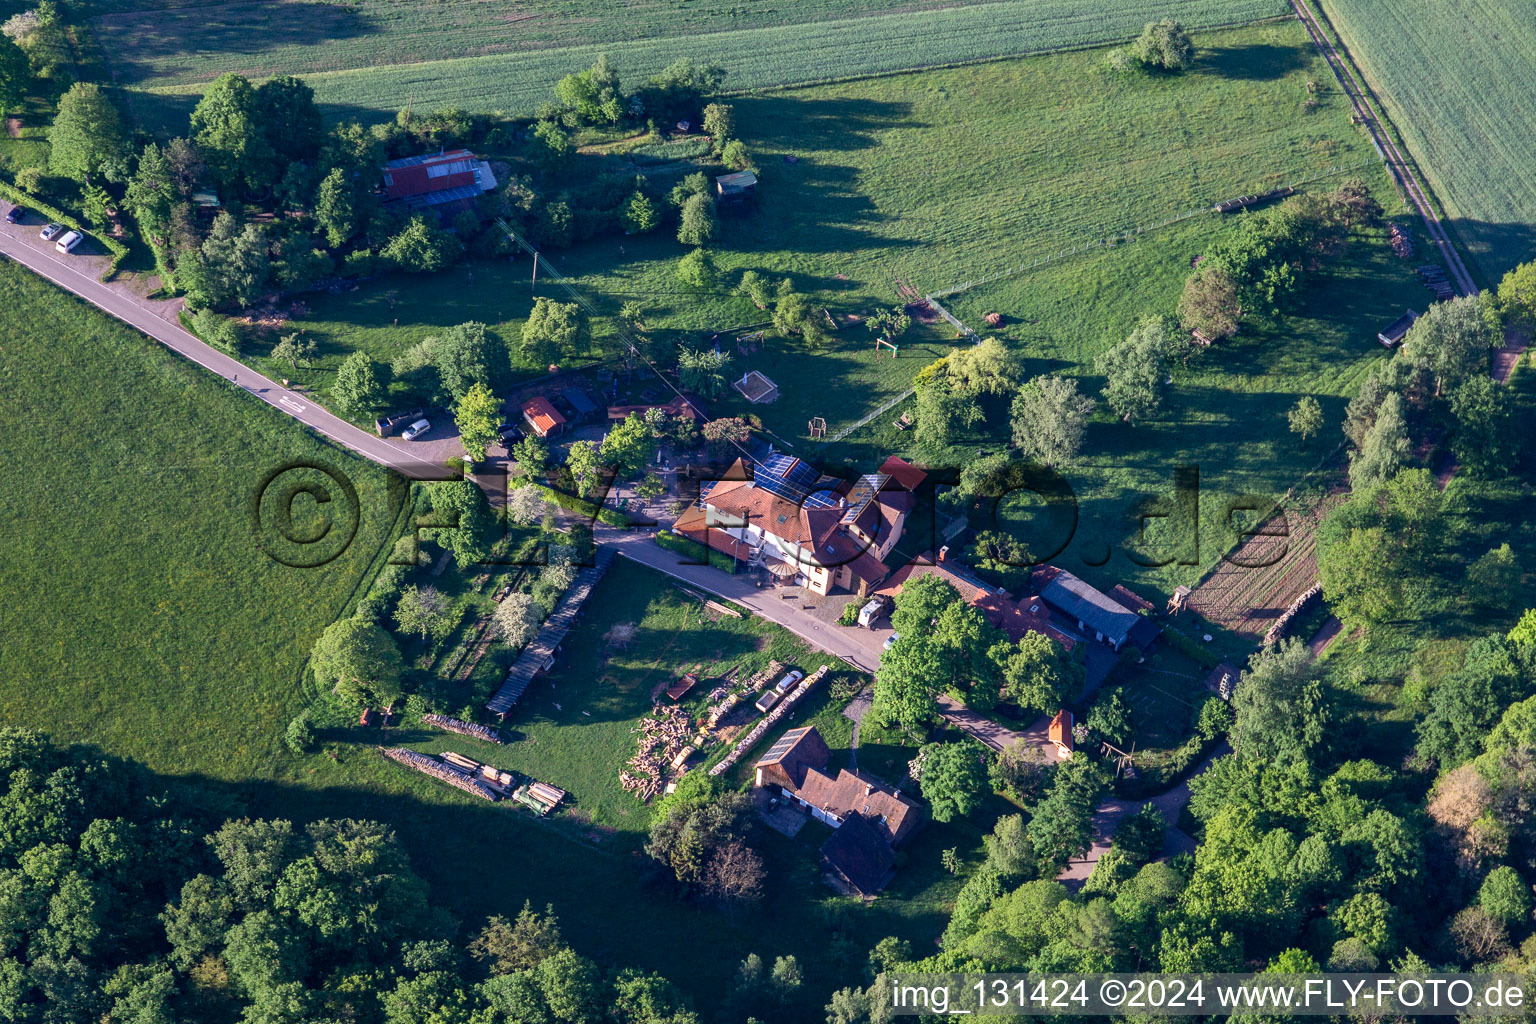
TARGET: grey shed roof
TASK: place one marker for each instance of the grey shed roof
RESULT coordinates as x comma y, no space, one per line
741,181
1094,608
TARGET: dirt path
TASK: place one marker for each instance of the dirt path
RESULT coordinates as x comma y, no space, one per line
1325,635
1507,358
1389,152
1112,812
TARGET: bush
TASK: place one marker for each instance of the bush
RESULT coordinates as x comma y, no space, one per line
218,331
592,510
1184,644
696,551
30,179
362,263
300,735
850,615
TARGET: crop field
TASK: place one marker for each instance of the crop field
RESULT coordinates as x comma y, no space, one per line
1456,81
1257,582
370,59
156,626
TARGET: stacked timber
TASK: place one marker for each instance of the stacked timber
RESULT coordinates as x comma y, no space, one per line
1277,630
750,740
470,729
455,776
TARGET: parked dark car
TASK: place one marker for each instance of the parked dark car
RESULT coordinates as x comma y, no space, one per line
14,214
510,433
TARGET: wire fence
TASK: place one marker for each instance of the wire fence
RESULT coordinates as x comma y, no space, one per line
880,410
1110,241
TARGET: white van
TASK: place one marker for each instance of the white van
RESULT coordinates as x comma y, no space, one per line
70,242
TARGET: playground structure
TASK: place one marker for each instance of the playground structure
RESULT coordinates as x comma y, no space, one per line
818,426
882,343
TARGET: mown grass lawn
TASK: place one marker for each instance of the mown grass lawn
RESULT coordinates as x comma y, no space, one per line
929,179
586,858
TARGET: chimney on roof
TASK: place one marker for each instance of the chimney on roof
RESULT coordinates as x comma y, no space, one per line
943,551
869,789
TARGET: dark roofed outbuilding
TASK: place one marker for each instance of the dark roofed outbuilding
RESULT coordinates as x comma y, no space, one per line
859,855
1097,612
736,187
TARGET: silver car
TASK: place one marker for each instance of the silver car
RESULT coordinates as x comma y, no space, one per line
51,231
416,429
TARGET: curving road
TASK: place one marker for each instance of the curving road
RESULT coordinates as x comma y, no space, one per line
74,273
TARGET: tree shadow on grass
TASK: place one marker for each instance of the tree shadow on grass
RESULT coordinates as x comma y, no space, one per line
1260,62
158,42
790,122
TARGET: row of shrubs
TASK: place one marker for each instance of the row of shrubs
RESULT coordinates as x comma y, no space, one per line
590,509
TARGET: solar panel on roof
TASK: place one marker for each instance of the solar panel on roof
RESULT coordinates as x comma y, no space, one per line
822,499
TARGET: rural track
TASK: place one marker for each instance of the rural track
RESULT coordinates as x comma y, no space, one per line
1390,154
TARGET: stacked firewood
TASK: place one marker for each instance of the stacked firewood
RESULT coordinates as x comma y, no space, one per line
662,735
472,729
435,768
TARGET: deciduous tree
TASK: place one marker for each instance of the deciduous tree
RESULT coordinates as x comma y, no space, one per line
1049,419
629,446
335,208
227,127
1305,417
423,611
357,387
517,619
476,415
586,466
553,330
697,222
87,136
1451,341
954,779
359,661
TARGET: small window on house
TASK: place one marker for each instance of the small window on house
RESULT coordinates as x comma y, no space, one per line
783,519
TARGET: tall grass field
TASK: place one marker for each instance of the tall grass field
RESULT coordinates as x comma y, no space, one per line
1456,81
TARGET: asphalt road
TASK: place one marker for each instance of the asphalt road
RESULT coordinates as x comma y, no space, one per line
20,243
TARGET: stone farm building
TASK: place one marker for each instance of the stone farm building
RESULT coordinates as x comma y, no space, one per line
869,817
444,182
825,533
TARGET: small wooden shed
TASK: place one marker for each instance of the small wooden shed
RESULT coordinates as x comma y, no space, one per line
736,188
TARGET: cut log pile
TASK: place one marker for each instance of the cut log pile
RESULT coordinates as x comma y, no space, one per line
455,775
1402,244
471,729
722,701
750,739
663,735
1277,630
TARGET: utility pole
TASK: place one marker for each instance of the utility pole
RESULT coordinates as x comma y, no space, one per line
535,282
